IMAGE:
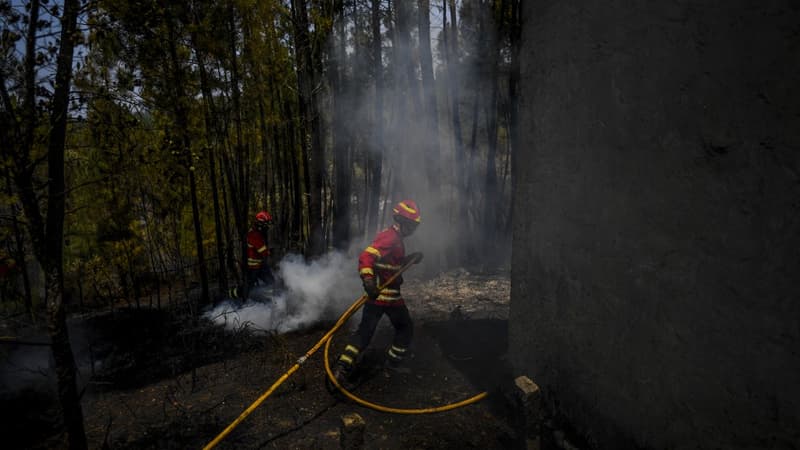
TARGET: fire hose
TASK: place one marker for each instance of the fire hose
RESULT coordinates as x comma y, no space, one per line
326,339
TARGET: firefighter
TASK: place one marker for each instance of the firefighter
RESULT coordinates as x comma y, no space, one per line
258,270
377,263
257,252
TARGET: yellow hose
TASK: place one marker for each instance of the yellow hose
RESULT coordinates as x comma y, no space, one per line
354,307
389,409
326,339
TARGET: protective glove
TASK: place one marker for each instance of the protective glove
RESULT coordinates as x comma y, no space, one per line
370,287
415,257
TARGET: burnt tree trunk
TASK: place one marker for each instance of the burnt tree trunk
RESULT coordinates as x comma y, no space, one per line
432,162
241,188
450,44
375,156
50,238
513,84
311,129
182,123
212,138
341,135
491,200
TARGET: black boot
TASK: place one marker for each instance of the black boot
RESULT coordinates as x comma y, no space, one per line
343,375
393,365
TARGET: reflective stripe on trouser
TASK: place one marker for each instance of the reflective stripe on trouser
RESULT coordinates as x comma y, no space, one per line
349,355
396,353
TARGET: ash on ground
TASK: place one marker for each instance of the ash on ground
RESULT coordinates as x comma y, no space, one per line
460,294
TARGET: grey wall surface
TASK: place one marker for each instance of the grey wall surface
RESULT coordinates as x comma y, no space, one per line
656,260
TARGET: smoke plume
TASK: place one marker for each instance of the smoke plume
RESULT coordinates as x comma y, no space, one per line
311,292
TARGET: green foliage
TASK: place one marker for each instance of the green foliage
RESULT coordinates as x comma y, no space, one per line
170,92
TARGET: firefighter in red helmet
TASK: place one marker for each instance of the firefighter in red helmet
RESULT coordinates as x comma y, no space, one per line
257,252
377,263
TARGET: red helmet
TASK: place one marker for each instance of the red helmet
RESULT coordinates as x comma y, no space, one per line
407,209
263,218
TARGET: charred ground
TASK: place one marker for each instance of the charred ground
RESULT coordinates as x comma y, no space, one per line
159,380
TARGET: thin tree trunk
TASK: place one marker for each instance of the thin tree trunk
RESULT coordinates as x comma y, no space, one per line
408,63
182,124
51,249
490,194
450,37
18,251
471,152
451,61
407,95
341,137
432,158
29,104
311,129
241,189
279,196
400,61
297,188
212,139
513,83
375,155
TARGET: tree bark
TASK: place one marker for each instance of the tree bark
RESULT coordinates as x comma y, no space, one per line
212,138
311,129
29,103
513,84
241,188
341,135
451,61
51,247
490,200
432,161
375,156
182,125
450,37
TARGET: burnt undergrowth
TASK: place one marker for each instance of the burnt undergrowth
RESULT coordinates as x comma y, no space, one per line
135,347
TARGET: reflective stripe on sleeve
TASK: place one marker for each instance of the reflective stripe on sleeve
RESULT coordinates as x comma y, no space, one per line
253,262
366,271
373,251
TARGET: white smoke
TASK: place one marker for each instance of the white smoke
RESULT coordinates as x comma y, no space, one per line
313,291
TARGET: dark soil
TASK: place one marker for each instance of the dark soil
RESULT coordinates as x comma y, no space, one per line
158,381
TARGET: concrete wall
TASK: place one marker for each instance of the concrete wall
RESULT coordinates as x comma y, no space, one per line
656,261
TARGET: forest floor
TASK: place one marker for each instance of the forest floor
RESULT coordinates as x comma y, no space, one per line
167,384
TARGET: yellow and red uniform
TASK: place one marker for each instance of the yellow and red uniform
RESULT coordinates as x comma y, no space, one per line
376,265
382,259
258,269
257,250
